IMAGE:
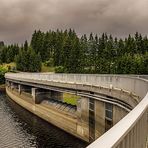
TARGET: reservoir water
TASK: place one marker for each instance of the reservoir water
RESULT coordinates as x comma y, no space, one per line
21,129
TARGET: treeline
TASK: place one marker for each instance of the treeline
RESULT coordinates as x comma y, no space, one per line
93,54
8,53
25,57
69,53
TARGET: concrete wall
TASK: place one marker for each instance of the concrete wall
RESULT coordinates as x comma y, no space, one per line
57,118
118,114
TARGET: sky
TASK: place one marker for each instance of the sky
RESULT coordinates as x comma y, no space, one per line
19,18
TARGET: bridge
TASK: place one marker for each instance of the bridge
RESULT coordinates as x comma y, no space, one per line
112,110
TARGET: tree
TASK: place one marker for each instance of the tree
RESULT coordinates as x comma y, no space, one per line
69,53
37,42
26,45
1,44
28,61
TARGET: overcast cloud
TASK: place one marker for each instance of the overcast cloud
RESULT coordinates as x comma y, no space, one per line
19,18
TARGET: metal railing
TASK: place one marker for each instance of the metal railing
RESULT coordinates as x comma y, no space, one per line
132,130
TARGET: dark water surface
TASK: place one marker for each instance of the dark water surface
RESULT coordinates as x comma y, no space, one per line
21,129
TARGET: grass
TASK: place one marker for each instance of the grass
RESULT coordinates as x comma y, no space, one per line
47,69
5,65
70,99
43,69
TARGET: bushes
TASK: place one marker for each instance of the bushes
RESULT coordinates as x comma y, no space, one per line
2,74
59,69
49,63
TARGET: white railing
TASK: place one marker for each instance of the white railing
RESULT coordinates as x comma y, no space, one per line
132,130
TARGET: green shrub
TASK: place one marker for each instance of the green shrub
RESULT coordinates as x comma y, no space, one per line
49,63
59,69
2,74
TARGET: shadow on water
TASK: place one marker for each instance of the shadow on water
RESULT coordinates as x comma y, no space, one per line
20,128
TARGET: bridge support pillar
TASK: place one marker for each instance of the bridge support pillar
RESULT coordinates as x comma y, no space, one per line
19,88
99,118
33,92
83,117
12,85
7,83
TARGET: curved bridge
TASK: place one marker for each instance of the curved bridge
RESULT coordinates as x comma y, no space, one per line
105,100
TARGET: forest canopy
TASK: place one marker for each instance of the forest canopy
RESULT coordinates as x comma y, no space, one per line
69,53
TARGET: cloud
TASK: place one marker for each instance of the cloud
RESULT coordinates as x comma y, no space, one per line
18,19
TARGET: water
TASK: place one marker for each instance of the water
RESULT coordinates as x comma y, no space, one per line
21,129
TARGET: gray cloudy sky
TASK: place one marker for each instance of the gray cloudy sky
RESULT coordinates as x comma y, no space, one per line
19,18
